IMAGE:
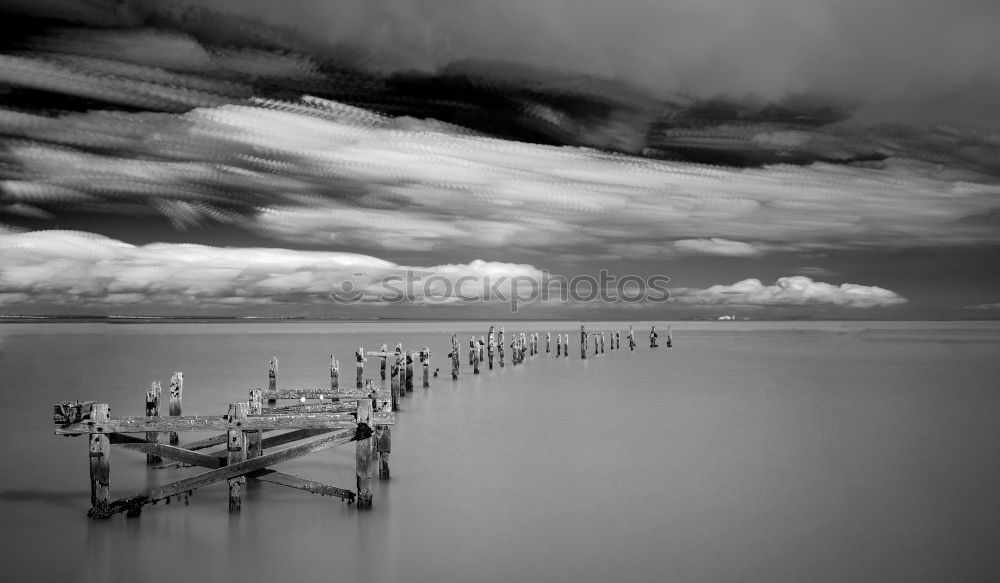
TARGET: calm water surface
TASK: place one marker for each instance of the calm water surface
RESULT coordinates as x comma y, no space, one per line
749,452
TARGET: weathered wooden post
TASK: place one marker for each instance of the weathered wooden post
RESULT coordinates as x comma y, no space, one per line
272,380
475,361
595,344
409,371
491,346
237,449
558,345
548,342
176,393
383,435
500,346
670,340
472,349
602,342
363,456
652,336
566,345
454,357
255,406
360,357
534,342
583,343
100,464
425,362
385,350
334,375
153,410
396,379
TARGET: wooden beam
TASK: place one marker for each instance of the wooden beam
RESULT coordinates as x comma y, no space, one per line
316,393
167,451
283,479
206,443
330,421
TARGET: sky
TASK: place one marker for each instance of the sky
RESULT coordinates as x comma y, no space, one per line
765,158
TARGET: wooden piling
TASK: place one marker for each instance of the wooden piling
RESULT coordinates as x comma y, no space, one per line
396,380
360,357
652,336
500,346
409,371
595,344
548,342
334,375
385,350
237,449
475,361
176,394
558,345
100,463
602,342
454,357
272,379
363,457
566,344
153,410
255,406
425,362
583,343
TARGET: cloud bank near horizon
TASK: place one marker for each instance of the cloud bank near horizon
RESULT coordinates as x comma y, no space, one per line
82,270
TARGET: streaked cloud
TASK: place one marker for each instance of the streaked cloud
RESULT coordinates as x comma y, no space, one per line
321,172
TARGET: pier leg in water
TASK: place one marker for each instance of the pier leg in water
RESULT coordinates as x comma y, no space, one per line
472,349
491,346
595,344
176,393
558,345
360,357
602,342
363,456
254,407
334,375
272,379
583,343
652,336
100,465
385,350
500,346
475,361
383,435
394,378
237,448
454,357
425,361
409,371
548,342
153,410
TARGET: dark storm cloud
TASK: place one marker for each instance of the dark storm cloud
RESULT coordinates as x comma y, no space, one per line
903,60
912,60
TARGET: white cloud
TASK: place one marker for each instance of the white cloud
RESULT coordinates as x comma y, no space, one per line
988,306
75,268
788,291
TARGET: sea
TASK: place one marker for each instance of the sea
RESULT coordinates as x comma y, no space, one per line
749,451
